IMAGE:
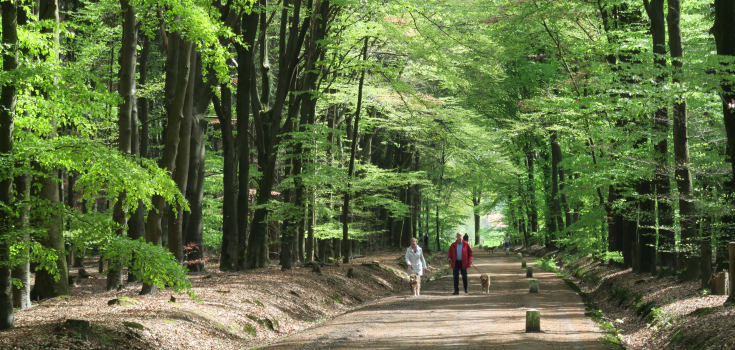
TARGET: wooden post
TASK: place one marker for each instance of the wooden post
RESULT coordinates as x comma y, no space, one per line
533,320
523,264
731,299
529,271
534,286
720,283
705,263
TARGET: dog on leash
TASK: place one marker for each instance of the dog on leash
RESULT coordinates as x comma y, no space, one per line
485,281
415,282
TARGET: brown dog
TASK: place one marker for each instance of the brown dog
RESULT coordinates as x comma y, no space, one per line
485,281
490,250
415,282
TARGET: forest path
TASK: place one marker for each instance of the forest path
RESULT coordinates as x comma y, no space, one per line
439,320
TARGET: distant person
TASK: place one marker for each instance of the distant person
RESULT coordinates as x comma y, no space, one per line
426,241
460,257
507,241
466,238
415,259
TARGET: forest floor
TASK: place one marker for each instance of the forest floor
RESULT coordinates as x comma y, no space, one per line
649,312
237,310
439,320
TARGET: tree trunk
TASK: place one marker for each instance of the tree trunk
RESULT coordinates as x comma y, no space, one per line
239,182
8,100
143,101
351,168
551,223
137,220
476,201
614,222
731,252
46,285
532,209
724,33
564,202
647,231
630,232
228,260
136,224
310,234
126,89
438,229
194,220
181,172
555,160
153,229
688,262
22,295
662,213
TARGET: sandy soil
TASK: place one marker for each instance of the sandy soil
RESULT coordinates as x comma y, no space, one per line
438,319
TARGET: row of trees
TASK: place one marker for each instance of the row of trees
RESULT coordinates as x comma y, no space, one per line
603,99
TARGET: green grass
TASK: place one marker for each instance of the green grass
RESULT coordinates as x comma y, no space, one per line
547,264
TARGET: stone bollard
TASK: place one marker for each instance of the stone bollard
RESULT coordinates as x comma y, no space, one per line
507,252
529,271
523,264
520,256
533,320
534,286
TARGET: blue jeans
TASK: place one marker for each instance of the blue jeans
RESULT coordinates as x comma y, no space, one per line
457,269
507,245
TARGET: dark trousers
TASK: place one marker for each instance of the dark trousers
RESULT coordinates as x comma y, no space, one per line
457,269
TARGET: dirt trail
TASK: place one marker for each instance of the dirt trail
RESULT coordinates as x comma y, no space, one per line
439,320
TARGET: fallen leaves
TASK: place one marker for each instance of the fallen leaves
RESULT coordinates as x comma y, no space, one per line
238,310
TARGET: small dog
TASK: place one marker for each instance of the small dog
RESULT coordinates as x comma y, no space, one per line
415,282
490,250
485,281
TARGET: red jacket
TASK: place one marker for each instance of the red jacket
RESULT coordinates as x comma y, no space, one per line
466,254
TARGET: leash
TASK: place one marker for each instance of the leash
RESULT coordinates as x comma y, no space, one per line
478,270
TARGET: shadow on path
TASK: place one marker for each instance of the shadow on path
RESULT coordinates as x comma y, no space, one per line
439,320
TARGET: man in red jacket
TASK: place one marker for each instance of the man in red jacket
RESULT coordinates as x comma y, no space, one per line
460,256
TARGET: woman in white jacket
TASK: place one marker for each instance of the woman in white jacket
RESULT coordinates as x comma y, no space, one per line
415,259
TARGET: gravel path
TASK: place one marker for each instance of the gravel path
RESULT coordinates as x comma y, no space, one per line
439,320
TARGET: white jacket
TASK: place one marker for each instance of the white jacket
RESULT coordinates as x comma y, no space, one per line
416,260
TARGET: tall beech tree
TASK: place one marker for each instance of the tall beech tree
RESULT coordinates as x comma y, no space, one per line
8,100
128,59
268,124
687,261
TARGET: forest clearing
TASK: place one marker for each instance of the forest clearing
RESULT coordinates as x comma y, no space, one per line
233,168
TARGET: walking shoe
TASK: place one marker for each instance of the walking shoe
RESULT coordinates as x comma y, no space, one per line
465,290
456,292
